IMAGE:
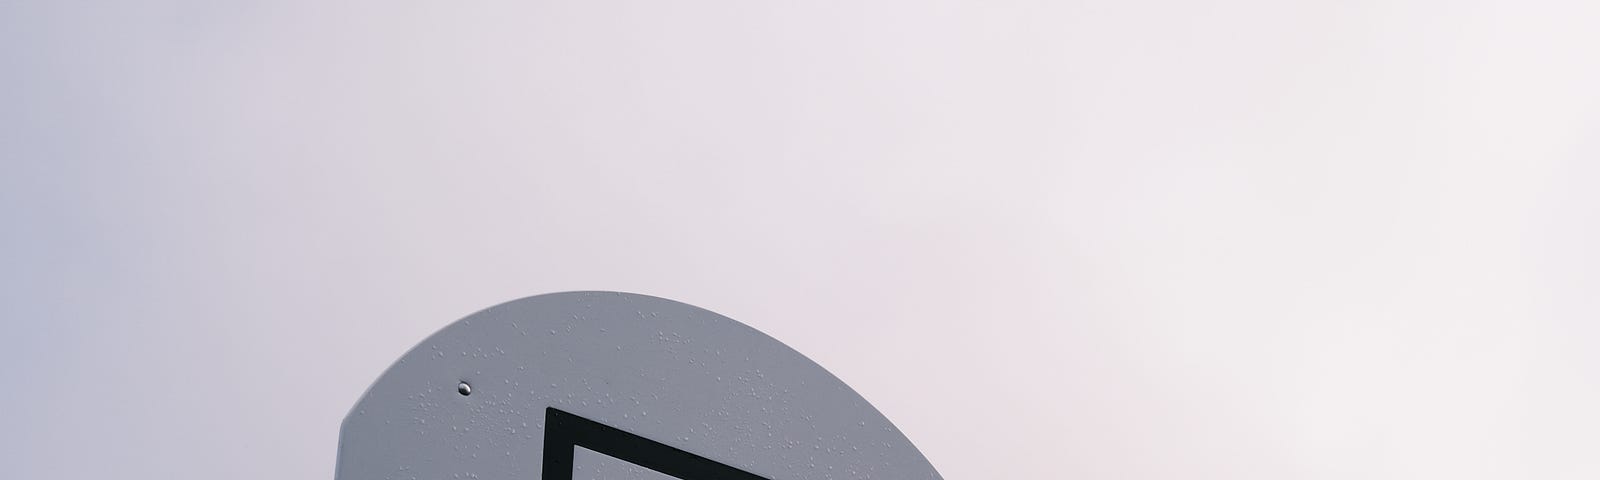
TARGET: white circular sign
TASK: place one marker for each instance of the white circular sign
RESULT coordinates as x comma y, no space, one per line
603,385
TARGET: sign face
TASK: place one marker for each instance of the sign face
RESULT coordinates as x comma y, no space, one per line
602,385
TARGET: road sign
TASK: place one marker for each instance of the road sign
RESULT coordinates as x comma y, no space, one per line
603,385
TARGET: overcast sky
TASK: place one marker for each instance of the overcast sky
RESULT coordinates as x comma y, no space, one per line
1140,239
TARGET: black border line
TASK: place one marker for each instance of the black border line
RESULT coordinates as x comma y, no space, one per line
563,431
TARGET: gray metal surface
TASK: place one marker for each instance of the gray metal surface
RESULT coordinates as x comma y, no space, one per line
591,465
668,371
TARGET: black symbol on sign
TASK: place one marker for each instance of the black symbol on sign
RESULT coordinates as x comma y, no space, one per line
563,431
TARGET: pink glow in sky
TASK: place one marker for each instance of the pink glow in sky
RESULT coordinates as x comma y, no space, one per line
1242,240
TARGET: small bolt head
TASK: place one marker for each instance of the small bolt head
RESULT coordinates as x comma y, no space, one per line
464,389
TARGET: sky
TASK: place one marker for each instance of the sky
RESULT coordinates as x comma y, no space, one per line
1086,239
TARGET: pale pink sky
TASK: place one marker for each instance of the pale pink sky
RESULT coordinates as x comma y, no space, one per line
1159,239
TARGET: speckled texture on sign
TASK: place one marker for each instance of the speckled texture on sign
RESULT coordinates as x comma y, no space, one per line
668,371
591,465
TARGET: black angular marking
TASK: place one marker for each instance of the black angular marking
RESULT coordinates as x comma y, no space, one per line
563,431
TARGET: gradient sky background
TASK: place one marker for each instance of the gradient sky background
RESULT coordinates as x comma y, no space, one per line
1082,240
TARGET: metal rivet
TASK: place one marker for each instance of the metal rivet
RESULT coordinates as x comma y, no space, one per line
464,389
